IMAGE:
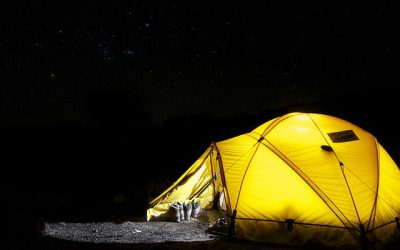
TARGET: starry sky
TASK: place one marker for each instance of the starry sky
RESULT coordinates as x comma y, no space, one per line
174,58
94,92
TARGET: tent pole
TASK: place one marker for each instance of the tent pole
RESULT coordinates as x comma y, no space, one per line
232,225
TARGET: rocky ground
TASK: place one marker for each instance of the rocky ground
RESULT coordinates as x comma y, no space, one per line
187,235
129,232
141,235
202,232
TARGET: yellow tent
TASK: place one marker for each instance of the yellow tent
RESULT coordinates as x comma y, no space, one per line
297,179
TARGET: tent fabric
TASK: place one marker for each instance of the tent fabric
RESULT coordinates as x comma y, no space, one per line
297,179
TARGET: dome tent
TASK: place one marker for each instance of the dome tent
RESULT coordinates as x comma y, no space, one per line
302,178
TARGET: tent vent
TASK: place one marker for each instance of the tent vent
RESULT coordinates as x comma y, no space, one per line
289,225
397,219
326,147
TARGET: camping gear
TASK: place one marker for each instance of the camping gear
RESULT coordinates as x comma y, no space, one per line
196,207
187,208
175,208
301,178
181,212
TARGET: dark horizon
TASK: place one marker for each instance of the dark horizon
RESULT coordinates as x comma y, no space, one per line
112,162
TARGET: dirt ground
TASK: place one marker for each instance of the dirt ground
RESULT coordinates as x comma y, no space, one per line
129,232
142,235
132,234
193,234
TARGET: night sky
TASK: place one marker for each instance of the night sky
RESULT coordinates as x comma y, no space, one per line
91,91
190,57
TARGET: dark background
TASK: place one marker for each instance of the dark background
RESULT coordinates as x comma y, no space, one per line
103,104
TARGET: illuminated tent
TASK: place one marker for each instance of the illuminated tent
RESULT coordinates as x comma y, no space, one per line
302,178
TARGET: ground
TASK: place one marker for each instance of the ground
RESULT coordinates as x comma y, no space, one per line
129,232
132,234
141,235
193,234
